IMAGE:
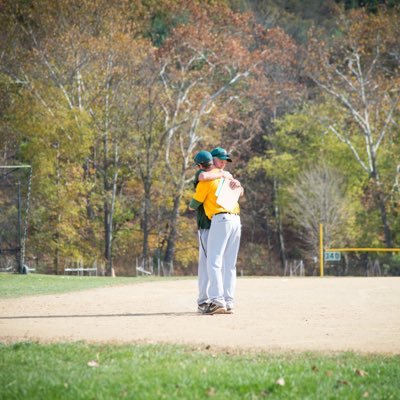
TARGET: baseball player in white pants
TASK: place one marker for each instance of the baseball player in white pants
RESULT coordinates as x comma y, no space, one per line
204,161
222,244
222,251
202,272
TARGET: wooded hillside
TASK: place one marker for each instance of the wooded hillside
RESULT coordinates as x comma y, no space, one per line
109,101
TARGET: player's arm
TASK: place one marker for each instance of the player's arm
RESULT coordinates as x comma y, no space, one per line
194,205
212,175
199,196
234,184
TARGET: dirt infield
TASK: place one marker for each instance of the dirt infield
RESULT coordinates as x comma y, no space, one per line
272,314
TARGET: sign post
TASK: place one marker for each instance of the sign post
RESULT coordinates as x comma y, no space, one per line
321,250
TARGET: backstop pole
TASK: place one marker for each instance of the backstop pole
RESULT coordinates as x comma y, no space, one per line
321,250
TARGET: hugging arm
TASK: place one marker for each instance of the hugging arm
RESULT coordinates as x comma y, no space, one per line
211,175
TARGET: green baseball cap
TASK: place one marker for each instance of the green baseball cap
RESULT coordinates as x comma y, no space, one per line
221,153
203,157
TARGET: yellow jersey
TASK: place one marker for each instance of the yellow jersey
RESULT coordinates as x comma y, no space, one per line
205,194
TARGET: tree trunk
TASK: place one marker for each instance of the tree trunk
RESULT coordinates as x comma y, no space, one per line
57,256
379,198
57,235
107,237
281,241
109,206
145,226
170,250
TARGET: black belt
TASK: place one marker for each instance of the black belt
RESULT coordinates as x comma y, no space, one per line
225,212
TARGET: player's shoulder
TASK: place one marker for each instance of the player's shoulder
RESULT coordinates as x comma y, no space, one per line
197,174
196,177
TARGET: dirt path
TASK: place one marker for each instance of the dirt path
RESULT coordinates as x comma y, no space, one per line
272,314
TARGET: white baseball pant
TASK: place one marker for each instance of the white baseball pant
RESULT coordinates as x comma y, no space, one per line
222,251
202,274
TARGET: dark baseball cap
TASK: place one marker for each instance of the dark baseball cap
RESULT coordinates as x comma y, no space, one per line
221,153
202,157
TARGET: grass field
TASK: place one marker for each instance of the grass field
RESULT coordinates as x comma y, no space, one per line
14,285
108,371
82,371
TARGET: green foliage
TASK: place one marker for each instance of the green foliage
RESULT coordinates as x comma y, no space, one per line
162,23
302,144
82,371
391,264
81,99
371,5
56,146
296,17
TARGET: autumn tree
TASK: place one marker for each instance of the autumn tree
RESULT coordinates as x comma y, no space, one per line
53,133
273,91
358,72
209,62
143,116
73,59
318,196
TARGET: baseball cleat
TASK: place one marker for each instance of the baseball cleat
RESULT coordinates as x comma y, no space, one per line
202,307
214,309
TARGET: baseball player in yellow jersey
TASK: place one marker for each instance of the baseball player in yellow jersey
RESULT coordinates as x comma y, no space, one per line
222,244
204,161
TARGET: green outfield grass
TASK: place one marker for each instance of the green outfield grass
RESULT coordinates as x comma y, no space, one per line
89,371
82,371
15,285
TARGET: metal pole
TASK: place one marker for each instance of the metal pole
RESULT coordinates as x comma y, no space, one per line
19,238
372,249
321,250
25,234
